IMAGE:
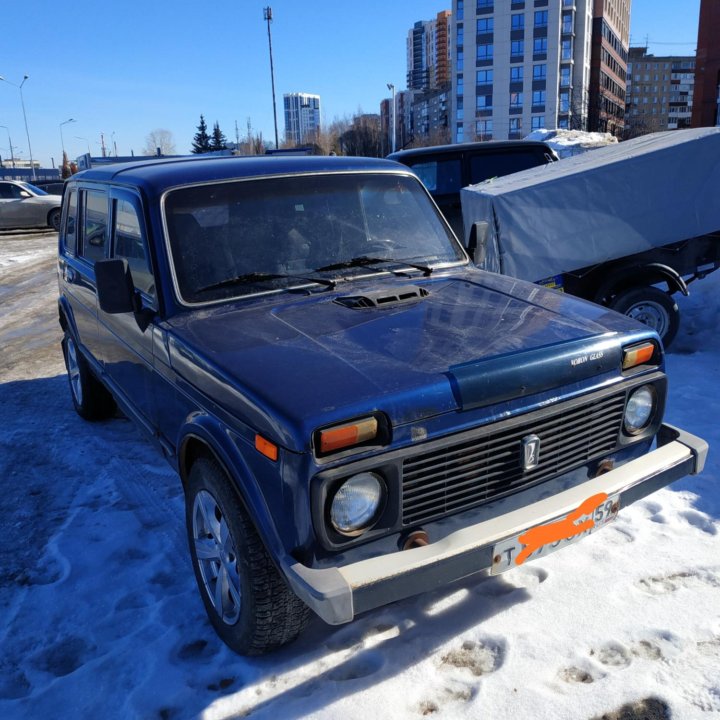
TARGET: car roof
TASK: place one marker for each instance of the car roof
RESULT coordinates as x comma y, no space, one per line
487,146
157,175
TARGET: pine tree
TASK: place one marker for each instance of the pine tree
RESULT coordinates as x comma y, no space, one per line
218,140
201,141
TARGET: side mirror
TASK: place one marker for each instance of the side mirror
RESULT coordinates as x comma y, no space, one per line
25,194
115,289
477,242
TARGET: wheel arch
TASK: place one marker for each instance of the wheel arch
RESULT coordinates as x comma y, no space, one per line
65,316
204,437
629,276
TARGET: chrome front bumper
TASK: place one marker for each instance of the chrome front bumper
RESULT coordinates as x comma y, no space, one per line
337,594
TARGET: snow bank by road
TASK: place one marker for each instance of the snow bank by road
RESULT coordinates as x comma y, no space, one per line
101,618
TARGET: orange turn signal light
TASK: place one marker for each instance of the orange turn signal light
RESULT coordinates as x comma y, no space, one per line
267,448
343,436
637,355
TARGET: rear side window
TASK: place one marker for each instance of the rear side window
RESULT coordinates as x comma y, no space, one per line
488,165
440,177
70,235
95,225
130,244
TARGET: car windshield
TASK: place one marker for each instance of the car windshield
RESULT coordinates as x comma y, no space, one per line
245,237
31,188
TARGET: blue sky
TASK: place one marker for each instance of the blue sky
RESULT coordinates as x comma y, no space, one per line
130,67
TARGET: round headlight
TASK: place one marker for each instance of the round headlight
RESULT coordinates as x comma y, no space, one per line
639,409
356,504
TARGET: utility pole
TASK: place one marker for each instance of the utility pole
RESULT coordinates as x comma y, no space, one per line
267,16
102,144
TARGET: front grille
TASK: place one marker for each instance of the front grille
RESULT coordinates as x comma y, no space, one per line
459,475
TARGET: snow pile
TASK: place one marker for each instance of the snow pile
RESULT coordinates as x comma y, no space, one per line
101,617
567,143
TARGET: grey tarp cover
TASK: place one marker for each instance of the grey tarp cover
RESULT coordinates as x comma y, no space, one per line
606,204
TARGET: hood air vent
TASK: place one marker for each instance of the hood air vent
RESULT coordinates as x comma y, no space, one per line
382,298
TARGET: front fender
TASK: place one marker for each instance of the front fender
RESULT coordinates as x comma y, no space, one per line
231,452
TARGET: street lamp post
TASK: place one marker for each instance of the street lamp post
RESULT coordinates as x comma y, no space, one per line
62,141
267,16
12,157
27,132
391,87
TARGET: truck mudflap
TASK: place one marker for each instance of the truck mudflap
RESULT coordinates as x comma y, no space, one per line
339,593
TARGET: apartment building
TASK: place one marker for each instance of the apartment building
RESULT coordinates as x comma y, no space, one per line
520,65
428,53
706,108
302,117
660,92
610,44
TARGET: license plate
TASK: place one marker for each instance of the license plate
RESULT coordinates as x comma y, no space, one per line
541,540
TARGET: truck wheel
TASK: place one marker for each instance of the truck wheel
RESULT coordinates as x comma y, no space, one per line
91,399
246,599
651,306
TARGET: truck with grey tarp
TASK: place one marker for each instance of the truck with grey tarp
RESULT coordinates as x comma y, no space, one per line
626,226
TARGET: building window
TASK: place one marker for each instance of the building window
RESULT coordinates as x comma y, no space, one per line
485,52
567,24
484,25
516,74
460,9
484,77
541,18
460,42
564,76
459,133
460,60
537,122
564,101
540,72
566,51
538,97
540,46
483,102
484,4
517,22
516,99
460,85
516,49
563,123
483,128
515,125
460,107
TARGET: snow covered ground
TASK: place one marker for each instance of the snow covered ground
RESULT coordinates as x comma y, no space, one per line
99,615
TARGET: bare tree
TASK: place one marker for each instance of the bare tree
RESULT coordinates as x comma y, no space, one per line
162,139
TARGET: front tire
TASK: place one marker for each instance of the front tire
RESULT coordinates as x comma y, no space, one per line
53,219
652,307
246,599
91,399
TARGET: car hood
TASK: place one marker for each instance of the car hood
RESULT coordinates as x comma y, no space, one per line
288,365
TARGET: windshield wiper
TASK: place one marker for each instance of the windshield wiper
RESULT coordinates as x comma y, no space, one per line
366,261
259,277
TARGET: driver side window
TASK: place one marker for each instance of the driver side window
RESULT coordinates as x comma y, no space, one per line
130,244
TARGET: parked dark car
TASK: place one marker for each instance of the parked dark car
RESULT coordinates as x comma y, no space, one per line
445,169
357,414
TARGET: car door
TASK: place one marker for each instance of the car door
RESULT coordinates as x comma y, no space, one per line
84,240
127,338
16,208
